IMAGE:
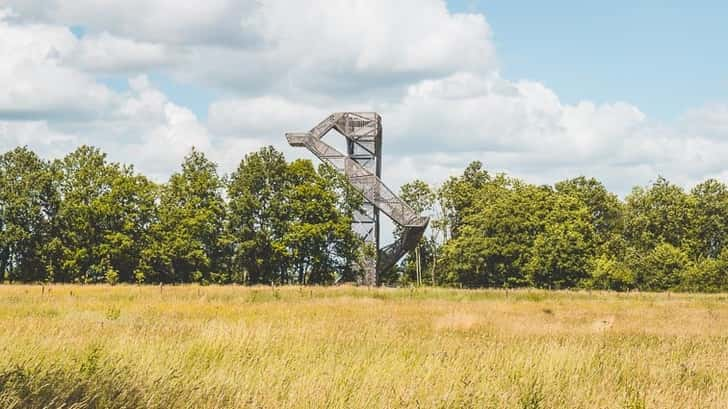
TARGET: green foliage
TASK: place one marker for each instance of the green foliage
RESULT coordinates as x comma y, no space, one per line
87,220
188,240
707,275
112,276
257,215
660,213
418,195
318,235
458,196
289,222
709,219
495,239
407,274
348,247
609,273
507,233
562,250
661,268
28,204
84,219
102,220
605,209
139,277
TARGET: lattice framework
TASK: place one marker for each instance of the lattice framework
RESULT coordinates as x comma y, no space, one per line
361,166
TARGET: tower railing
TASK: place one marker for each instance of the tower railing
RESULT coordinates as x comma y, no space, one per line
362,169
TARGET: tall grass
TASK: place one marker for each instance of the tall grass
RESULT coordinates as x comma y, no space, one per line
300,347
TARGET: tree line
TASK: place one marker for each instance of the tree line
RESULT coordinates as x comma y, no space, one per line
498,231
85,219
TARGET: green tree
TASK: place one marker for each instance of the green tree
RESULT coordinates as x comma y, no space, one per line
661,268
458,195
348,246
657,214
427,248
707,274
496,237
605,209
258,216
609,273
318,231
708,219
562,250
28,203
102,223
421,198
85,219
189,242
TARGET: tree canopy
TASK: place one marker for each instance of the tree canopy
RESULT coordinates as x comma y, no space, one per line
83,218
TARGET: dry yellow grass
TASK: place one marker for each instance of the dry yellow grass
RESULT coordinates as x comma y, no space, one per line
211,347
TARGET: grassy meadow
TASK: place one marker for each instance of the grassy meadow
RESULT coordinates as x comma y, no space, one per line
301,347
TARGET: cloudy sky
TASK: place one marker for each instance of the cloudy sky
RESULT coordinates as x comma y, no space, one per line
541,90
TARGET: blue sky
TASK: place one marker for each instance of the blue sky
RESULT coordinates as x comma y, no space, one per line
664,56
622,91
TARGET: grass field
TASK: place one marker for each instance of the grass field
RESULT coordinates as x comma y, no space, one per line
291,347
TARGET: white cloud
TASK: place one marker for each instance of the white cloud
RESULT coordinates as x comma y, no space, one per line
36,134
155,133
157,21
351,49
530,133
145,129
378,37
264,116
108,53
710,120
519,127
326,47
284,66
48,102
34,80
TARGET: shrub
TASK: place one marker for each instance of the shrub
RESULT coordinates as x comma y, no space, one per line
112,276
660,269
608,273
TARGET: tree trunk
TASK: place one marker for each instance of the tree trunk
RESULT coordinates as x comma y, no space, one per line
418,265
434,264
